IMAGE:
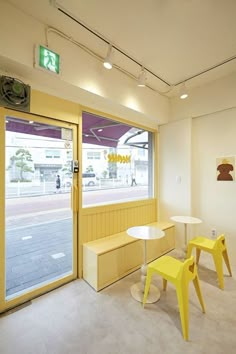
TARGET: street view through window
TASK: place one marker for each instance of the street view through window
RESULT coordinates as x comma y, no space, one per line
38,215
117,162
117,166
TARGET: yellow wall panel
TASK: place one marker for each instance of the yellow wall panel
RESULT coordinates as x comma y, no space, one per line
101,221
54,107
2,206
98,222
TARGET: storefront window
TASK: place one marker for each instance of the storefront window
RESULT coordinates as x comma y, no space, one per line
117,162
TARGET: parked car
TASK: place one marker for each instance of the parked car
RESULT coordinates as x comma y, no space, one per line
89,179
67,182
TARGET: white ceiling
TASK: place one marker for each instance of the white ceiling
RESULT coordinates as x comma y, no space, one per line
175,39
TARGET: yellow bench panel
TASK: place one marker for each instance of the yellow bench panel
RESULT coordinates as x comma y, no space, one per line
110,258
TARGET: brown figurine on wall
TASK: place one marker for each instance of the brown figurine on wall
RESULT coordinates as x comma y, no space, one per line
224,168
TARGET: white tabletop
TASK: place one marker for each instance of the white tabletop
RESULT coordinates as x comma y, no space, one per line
145,232
186,219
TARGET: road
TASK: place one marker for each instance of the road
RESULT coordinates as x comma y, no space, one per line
30,205
39,234
37,253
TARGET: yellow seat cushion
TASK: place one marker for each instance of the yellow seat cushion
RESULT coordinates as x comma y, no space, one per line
168,266
203,242
218,250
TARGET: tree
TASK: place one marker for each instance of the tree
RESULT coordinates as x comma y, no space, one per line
66,169
21,160
89,169
104,174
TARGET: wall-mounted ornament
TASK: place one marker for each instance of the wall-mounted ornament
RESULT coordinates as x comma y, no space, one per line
225,168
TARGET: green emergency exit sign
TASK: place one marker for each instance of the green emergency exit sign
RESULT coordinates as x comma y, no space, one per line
47,59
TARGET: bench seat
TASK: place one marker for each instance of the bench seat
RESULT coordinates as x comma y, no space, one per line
110,258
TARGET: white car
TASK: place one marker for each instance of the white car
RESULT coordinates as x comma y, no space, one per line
67,182
89,179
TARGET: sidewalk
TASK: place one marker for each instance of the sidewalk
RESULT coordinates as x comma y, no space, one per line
38,248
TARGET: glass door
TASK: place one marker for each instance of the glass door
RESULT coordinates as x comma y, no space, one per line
38,213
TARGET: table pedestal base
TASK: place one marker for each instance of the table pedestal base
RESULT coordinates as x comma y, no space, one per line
184,251
137,293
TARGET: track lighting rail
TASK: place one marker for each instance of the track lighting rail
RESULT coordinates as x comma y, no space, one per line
108,42
205,71
113,46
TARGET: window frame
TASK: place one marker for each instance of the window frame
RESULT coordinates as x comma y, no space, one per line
152,163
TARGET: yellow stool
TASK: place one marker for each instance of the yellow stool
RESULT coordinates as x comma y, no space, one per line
179,274
217,248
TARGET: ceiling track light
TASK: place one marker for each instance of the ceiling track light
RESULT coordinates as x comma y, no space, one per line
101,37
142,78
183,92
108,60
65,12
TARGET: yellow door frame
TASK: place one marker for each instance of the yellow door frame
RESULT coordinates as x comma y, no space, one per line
6,304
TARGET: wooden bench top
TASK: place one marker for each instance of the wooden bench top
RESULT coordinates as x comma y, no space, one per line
120,239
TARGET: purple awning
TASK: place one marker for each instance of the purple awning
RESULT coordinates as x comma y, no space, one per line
96,130
22,126
101,131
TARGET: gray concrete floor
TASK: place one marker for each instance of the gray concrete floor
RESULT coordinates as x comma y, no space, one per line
74,319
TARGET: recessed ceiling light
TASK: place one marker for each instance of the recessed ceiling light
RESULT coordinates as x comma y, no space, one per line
100,130
31,121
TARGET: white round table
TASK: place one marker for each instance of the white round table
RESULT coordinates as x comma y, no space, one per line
137,290
186,220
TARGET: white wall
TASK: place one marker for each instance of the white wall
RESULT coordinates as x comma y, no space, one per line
213,97
174,172
214,201
190,147
96,85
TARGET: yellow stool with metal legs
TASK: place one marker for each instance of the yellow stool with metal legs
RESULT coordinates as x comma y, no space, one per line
218,250
179,274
